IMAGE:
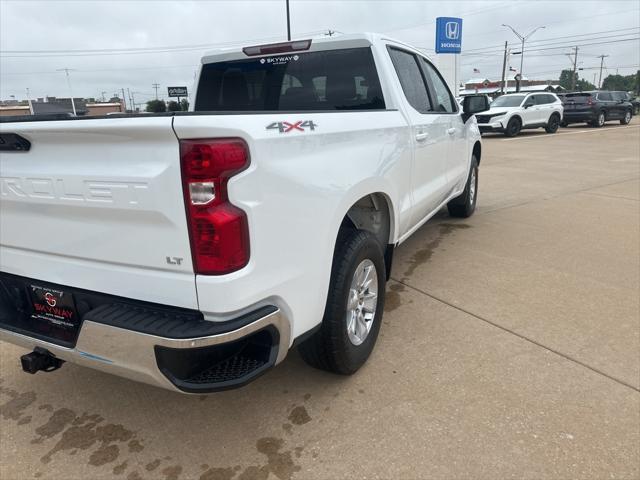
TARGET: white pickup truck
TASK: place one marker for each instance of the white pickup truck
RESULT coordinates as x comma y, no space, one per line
191,251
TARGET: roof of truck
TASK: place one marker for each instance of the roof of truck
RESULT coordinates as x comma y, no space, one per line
325,42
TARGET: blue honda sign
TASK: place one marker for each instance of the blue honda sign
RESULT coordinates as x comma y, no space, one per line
448,35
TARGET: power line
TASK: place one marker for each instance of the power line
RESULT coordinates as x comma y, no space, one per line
564,43
133,51
545,40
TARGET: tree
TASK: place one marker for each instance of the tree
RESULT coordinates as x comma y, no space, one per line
624,83
184,103
156,106
580,84
565,79
173,106
584,85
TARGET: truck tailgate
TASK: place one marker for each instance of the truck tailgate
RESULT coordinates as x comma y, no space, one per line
98,204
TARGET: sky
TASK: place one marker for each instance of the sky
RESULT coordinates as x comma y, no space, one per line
114,45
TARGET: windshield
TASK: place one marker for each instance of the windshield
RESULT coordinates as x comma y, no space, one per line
343,79
508,101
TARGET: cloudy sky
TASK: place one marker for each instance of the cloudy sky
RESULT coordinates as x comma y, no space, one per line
133,44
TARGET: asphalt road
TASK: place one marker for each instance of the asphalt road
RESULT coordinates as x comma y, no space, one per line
510,348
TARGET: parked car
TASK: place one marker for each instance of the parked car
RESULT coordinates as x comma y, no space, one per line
627,97
595,108
513,112
192,250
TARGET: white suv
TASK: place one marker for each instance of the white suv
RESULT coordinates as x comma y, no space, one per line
511,113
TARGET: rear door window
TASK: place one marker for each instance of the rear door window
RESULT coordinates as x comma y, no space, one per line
605,96
411,80
544,99
344,79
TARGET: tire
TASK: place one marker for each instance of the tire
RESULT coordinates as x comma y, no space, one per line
464,205
553,123
333,347
513,127
600,119
626,119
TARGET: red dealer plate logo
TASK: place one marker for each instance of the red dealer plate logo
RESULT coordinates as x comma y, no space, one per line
54,306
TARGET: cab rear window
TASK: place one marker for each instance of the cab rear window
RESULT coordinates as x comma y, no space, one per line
343,79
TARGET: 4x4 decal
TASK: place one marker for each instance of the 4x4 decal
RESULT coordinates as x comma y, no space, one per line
286,127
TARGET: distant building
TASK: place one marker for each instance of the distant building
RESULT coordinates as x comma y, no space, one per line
52,105
493,87
95,109
60,105
14,110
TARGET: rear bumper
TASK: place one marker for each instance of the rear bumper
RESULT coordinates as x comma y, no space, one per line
578,117
161,346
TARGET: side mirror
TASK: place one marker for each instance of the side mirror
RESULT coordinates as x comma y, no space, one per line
528,104
473,104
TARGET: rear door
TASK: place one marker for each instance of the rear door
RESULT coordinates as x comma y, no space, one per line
608,104
544,105
428,135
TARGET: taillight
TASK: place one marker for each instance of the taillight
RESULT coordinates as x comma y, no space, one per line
218,230
284,47
590,101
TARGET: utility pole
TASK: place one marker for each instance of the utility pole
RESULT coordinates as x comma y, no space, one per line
73,103
133,107
329,33
523,38
124,100
601,57
103,99
156,85
504,67
575,67
29,100
288,23
574,63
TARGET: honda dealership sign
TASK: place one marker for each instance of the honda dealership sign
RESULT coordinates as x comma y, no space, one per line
448,35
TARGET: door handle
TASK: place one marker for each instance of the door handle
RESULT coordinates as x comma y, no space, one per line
421,136
451,131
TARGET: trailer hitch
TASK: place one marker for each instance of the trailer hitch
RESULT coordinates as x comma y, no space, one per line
40,360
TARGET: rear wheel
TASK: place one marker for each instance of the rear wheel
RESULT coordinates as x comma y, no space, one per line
600,119
464,205
627,118
553,124
355,303
513,127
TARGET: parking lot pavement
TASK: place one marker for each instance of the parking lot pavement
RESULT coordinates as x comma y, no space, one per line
510,347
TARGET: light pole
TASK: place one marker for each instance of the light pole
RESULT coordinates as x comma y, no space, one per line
523,38
73,103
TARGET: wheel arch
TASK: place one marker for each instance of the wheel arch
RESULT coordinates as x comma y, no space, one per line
373,212
477,150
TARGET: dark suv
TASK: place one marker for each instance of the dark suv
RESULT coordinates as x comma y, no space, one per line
595,108
627,97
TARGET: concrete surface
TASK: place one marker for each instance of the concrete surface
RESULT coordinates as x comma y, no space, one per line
510,348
